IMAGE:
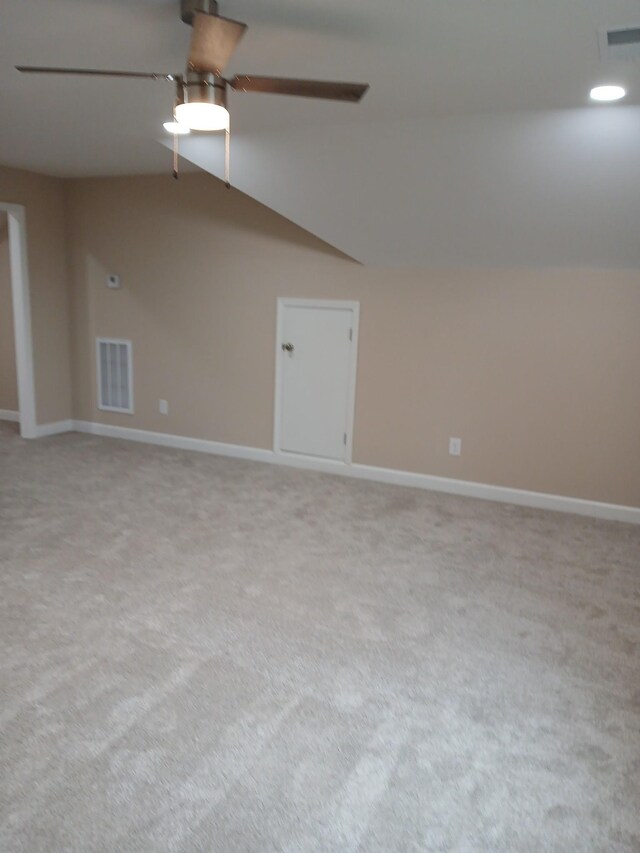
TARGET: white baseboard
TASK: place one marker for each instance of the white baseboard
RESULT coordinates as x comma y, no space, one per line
180,442
501,494
44,430
10,415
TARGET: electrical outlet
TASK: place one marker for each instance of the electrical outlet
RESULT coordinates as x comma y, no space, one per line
455,446
164,407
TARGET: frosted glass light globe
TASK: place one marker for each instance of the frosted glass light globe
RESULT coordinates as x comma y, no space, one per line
202,116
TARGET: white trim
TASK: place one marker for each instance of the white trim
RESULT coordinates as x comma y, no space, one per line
44,430
335,304
180,442
120,342
501,494
10,415
20,291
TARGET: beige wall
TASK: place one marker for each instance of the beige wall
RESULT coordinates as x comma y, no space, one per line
43,198
8,381
536,371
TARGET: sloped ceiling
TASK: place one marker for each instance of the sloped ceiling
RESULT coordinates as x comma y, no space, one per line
552,188
474,145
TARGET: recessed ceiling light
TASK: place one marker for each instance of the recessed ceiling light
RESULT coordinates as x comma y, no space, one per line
175,127
607,93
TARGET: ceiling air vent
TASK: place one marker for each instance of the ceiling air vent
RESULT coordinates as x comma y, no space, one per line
620,45
115,381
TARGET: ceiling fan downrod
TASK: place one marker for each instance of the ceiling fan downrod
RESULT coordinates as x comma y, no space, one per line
188,9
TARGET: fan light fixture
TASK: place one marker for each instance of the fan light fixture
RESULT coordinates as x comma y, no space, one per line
203,102
607,93
202,116
174,127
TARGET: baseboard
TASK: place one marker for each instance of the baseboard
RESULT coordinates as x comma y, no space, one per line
501,494
10,415
44,430
180,442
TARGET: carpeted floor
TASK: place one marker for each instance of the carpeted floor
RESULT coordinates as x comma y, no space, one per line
202,654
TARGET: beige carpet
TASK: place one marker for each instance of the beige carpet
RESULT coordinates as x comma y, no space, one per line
207,654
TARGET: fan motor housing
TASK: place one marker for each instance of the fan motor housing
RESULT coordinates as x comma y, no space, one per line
188,9
202,87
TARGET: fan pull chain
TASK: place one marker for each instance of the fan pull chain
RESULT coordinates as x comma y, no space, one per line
175,156
227,146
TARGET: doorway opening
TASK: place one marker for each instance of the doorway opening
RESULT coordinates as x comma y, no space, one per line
16,347
9,410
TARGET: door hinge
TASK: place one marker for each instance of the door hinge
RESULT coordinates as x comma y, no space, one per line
345,439
351,334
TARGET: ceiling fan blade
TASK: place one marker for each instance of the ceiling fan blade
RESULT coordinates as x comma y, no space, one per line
352,92
93,72
213,42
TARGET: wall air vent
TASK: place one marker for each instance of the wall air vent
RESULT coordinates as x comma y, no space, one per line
620,45
115,376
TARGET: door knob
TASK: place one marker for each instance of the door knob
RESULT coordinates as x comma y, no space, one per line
287,347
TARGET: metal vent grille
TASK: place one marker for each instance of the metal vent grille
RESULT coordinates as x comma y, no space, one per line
115,381
622,45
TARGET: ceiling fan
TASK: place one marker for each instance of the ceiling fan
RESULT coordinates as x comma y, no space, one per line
201,93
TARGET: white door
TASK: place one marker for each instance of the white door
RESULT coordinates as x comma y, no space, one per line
315,382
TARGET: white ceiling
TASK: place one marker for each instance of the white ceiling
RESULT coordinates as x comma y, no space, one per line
550,188
423,58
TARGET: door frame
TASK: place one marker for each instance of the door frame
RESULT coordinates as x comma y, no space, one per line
285,302
20,294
